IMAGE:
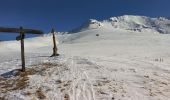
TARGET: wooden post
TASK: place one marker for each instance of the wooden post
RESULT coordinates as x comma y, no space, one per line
22,35
21,39
54,44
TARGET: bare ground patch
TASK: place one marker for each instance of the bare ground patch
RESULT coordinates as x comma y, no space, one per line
20,80
40,94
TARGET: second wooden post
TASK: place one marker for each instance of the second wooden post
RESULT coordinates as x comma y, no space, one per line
22,35
55,49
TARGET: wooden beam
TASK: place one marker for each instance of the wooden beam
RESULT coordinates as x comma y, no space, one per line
21,37
17,30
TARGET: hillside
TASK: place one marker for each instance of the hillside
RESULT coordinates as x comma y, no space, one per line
129,22
100,61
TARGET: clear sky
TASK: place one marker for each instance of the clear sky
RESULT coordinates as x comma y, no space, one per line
65,15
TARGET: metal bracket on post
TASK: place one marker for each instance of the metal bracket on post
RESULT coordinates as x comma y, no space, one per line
55,49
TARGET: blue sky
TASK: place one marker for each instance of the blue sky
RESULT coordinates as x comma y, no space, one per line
65,15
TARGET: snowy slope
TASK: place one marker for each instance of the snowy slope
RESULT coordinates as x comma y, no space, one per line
116,64
90,24
129,22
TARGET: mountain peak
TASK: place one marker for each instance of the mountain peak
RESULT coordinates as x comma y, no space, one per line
92,21
128,22
90,24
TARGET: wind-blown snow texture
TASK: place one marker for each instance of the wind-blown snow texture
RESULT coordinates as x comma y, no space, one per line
103,61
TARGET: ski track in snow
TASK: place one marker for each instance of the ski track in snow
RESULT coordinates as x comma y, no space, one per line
97,79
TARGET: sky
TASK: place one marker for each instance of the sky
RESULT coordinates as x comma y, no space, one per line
65,15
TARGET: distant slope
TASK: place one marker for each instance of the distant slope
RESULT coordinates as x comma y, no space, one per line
90,24
128,22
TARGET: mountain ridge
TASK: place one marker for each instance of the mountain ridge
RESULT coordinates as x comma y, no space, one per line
128,22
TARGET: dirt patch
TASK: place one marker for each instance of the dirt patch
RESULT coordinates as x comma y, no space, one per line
40,94
66,97
2,98
20,80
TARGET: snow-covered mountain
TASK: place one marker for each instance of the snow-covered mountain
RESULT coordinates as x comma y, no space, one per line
107,60
129,22
90,24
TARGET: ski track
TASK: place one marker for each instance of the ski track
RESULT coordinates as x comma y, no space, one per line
98,79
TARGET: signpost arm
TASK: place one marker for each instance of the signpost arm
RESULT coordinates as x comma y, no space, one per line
21,38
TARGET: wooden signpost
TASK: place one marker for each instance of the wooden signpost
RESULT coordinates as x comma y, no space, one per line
21,38
55,49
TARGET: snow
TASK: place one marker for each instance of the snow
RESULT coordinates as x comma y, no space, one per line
90,24
118,64
129,22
